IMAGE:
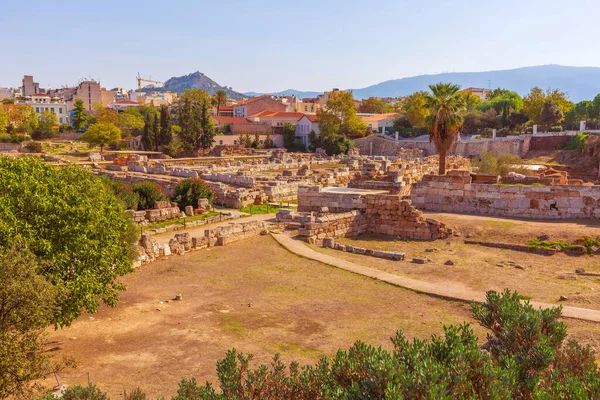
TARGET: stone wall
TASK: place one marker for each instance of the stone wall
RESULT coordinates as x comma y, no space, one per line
381,146
163,211
456,193
323,214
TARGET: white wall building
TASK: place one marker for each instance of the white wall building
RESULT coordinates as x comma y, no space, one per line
42,102
305,125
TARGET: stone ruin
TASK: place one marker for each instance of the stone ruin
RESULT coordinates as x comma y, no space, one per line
334,212
162,211
465,193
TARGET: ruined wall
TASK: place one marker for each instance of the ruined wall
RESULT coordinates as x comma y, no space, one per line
549,142
380,146
458,194
343,214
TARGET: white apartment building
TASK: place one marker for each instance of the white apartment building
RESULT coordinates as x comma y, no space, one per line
42,102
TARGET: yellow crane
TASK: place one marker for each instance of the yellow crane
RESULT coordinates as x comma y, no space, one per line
139,90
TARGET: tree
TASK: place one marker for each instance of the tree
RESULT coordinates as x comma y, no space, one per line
101,134
220,98
414,107
8,101
193,116
188,191
472,101
148,194
166,126
79,116
46,125
503,104
102,115
551,114
289,138
130,122
534,102
444,104
156,136
76,228
374,106
340,114
3,120
28,306
518,119
148,133
21,118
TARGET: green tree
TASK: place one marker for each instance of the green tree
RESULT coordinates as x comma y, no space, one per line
339,116
551,114
445,121
27,307
80,117
374,106
504,104
533,103
148,194
497,93
101,134
193,116
74,226
220,99
414,107
46,125
166,126
472,101
148,133
188,191
289,138
8,101
130,122
3,120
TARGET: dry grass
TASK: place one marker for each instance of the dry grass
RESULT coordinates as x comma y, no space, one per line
252,295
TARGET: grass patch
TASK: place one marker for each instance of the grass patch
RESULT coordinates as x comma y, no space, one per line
230,324
180,221
584,244
548,245
295,349
500,224
260,209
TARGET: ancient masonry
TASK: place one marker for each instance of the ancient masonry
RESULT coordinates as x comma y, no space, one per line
458,193
334,212
183,242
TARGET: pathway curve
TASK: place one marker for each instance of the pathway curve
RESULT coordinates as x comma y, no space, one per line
447,291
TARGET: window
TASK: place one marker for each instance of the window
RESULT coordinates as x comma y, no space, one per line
305,108
60,110
235,142
52,109
261,142
60,120
37,109
220,142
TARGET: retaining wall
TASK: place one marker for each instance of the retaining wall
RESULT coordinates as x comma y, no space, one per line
456,193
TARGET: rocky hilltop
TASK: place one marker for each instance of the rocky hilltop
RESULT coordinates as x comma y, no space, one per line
195,80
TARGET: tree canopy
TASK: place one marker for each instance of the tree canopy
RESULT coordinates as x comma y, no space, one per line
415,109
101,134
80,116
339,116
73,225
373,105
193,117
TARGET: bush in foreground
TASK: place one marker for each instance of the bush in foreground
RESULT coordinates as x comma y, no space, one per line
188,191
525,357
148,194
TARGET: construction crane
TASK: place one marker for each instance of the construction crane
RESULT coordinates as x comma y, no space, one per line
139,90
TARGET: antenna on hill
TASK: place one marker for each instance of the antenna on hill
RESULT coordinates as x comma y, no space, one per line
489,83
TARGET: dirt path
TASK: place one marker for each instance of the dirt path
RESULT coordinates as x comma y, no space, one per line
448,291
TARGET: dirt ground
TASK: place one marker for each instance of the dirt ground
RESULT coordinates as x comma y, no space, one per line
252,295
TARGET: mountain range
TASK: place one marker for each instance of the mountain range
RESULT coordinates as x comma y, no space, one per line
580,83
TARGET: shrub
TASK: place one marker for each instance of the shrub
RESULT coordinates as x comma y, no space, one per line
579,142
555,128
136,394
13,138
34,147
78,392
123,192
502,164
188,191
148,193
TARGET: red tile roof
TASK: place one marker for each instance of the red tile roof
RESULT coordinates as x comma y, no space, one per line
252,100
225,108
312,117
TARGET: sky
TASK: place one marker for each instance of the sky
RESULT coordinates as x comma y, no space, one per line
268,45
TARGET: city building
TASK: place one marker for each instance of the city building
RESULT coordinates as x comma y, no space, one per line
6,93
41,102
122,105
29,86
276,119
256,105
380,123
90,92
308,123
479,92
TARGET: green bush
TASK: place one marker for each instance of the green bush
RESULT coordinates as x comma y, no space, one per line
34,147
78,392
501,164
579,142
124,192
555,128
13,138
148,194
189,190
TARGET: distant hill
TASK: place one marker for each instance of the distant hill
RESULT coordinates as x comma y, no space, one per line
581,83
195,80
289,92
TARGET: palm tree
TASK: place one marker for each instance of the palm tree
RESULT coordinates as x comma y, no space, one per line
444,103
220,99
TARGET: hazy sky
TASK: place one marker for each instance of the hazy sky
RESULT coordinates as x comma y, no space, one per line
268,45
